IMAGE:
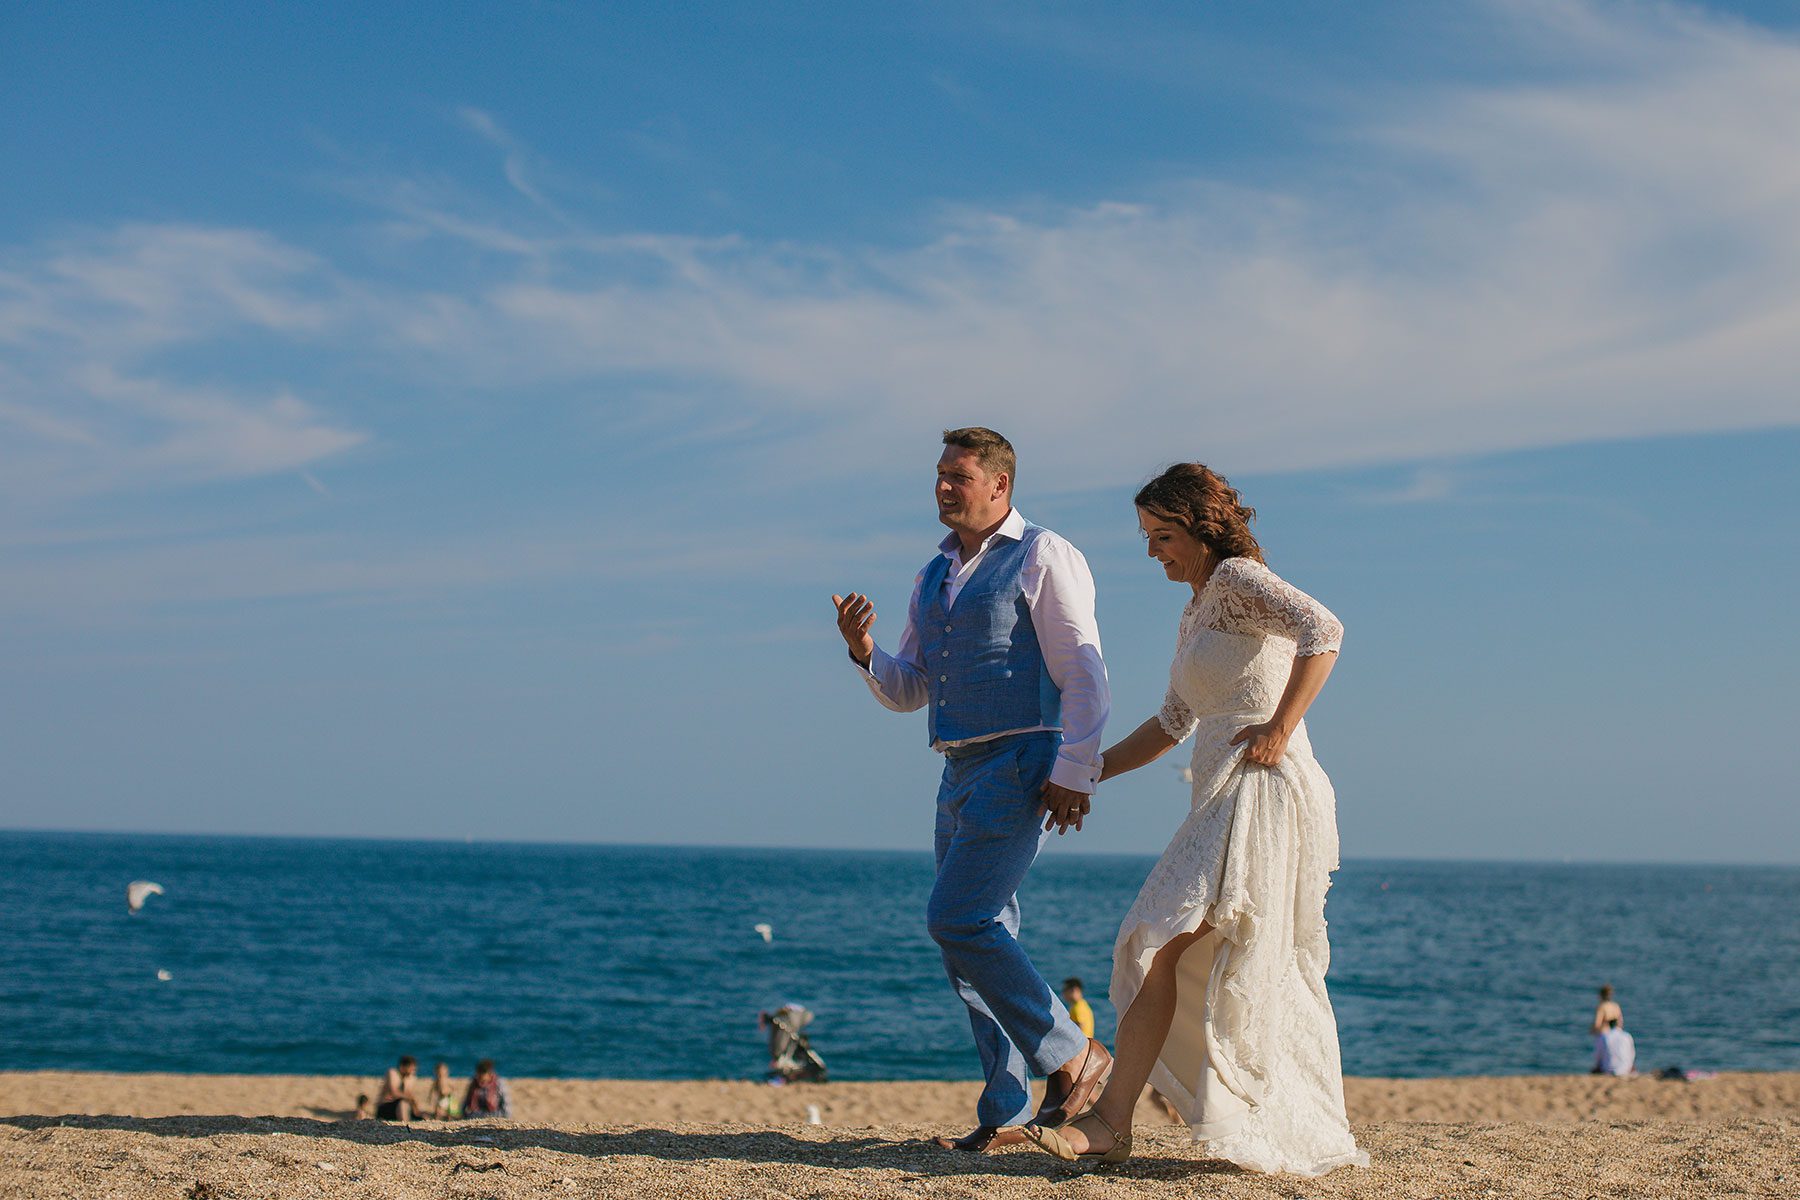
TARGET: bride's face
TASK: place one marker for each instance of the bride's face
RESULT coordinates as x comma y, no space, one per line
1184,557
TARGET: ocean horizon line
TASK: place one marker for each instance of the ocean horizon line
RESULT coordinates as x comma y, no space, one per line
789,848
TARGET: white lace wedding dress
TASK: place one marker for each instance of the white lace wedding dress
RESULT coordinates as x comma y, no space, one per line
1252,1057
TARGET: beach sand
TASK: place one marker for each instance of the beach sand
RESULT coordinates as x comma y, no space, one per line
235,1137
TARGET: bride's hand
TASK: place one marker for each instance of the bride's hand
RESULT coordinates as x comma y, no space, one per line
1267,743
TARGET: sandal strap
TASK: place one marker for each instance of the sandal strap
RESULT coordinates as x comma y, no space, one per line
1104,1123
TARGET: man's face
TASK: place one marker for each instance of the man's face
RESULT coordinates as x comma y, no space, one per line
968,498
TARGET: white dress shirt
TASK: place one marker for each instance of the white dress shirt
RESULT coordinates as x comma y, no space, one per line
1059,594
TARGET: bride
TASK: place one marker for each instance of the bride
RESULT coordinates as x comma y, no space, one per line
1219,968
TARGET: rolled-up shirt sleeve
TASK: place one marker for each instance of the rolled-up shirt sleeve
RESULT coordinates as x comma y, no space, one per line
898,679
1059,591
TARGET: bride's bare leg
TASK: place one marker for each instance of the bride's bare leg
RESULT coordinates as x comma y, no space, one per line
1142,1031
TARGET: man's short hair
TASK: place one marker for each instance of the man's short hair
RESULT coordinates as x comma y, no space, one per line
1072,982
407,1060
995,452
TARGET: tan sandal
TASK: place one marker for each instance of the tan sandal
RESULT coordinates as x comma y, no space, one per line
1052,1142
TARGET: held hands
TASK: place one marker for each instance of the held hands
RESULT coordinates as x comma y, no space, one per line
855,613
1062,807
1266,743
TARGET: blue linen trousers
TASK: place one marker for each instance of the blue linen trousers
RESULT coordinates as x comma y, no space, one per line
989,832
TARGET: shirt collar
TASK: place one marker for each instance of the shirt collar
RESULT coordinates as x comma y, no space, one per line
1013,527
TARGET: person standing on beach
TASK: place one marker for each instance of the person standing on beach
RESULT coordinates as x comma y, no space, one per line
1607,1012
1002,650
1614,1051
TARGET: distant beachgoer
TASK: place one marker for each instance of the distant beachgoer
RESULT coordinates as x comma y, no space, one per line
1607,1010
1614,1051
363,1111
442,1100
791,1056
397,1101
1080,1011
487,1095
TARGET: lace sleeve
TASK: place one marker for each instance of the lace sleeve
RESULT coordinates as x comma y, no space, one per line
1256,600
1176,718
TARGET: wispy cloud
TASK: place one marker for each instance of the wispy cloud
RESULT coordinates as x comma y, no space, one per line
515,158
1425,485
89,402
1610,254
1509,266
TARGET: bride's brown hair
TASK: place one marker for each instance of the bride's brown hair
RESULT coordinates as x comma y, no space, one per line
1198,499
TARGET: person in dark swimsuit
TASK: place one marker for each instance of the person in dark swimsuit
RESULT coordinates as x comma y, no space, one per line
397,1102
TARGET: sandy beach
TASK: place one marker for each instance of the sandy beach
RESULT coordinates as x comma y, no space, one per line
234,1137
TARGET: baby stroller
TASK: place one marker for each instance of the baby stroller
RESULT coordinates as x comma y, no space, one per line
791,1056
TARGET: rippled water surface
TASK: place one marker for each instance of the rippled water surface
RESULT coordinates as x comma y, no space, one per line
334,956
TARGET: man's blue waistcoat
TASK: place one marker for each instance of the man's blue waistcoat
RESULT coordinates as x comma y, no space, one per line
982,659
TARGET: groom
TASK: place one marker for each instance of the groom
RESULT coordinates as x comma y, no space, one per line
1002,651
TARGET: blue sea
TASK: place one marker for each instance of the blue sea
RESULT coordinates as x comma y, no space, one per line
309,956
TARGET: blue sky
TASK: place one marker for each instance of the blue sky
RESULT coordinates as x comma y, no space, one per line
425,424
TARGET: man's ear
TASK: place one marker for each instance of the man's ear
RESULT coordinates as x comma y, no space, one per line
1004,482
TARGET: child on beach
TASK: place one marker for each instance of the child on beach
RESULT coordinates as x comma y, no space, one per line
1080,1011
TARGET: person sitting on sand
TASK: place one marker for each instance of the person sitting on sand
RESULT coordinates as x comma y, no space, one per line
1614,1051
487,1095
442,1100
1080,1011
1607,1010
397,1101
363,1111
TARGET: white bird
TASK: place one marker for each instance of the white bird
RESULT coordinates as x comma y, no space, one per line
164,976
767,930
140,890
1186,773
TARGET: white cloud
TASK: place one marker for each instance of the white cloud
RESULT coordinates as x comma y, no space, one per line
88,404
1609,254
1510,266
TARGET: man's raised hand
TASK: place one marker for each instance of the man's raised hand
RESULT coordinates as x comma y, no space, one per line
855,613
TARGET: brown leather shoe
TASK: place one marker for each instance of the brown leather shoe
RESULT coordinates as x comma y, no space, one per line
982,1139
1067,1093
